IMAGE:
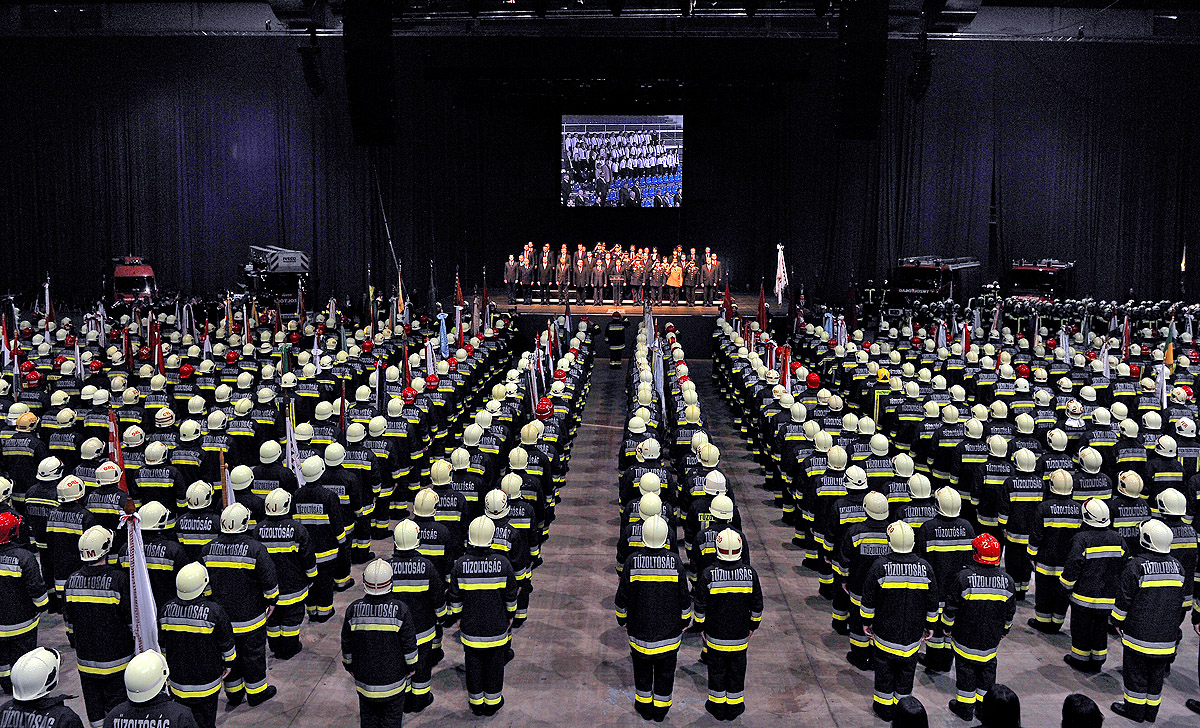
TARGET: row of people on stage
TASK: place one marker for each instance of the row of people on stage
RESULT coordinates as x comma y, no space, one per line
637,275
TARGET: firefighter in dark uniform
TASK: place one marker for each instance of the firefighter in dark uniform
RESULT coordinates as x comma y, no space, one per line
1054,525
291,551
417,583
196,638
728,607
379,649
148,703
1093,570
22,597
653,603
945,542
244,583
483,595
317,509
1152,587
35,675
97,614
980,605
899,608
614,333
200,523
164,556
64,526
861,545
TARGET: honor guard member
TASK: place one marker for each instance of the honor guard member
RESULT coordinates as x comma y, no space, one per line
728,608
187,454
1128,509
317,509
64,526
1152,586
291,551
148,703
379,649
1172,511
704,551
200,523
1055,523
163,555
509,541
417,583
988,488
980,606
97,614
356,514
270,474
899,608
921,505
1091,575
945,542
22,597
244,583
196,638
483,595
862,543
1090,482
653,603
158,480
35,676
451,504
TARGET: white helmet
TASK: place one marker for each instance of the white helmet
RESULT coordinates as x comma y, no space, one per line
714,483
729,545
1172,503
199,495
654,532
855,478
70,488
312,468
146,676
335,454
721,508
156,453
241,477
377,578
518,458
1166,446
481,532
235,518
278,502
511,485
1095,513
1061,482
1156,536
918,486
95,544
710,455
949,502
876,506
997,446
154,516
648,449
901,537
903,465
439,472
269,452
425,502
650,505
35,674
1129,484
191,581
1185,427
1057,440
495,504
407,536
1090,460
879,445
650,483
50,469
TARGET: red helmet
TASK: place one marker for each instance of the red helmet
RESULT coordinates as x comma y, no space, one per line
431,382
987,549
186,371
670,328
294,337
832,344
237,329
368,346
680,363
143,353
865,345
1091,355
70,340
407,329
59,361
1052,343
1020,337
560,375
321,328
573,351
10,527
1135,371
95,365
684,378
1187,388
452,363
1023,371
409,395
424,321
264,318
27,332
796,366
543,409
27,366
33,378
231,357
469,348
916,341
1193,355
813,380
616,314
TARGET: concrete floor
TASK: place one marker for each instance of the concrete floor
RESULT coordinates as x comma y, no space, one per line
572,661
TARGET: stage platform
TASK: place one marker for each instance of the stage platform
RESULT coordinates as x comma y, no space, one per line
744,303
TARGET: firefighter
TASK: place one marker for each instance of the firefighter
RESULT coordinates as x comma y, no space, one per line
379,649
509,541
291,550
980,606
417,583
106,501
614,333
436,543
196,638
148,703
200,523
98,618
318,510
22,598
483,595
653,603
899,608
40,501
945,542
35,675
162,554
270,474
1152,586
64,526
241,478
1129,509
862,543
1091,574
1054,524
728,606
244,583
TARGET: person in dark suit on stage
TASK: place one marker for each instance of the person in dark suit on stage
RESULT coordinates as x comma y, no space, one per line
623,199
708,279
637,277
635,194
604,177
566,187
657,270
616,278
562,276
512,277
525,292
691,278
718,273
581,276
545,277
599,275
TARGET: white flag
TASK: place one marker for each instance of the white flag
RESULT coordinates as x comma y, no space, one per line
316,352
141,597
781,278
1162,387
293,452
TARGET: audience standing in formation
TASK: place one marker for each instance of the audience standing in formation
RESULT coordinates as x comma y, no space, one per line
929,486
466,452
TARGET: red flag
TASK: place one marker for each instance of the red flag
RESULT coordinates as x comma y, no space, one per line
762,307
114,446
727,304
483,305
785,375
458,296
342,409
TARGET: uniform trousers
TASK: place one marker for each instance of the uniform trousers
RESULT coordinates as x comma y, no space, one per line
320,596
11,649
727,682
420,694
1089,633
101,693
1018,566
283,629
654,680
1049,601
380,713
485,677
204,710
972,679
249,670
341,563
1143,675
894,677
938,653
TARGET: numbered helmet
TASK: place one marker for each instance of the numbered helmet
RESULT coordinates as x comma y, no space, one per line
235,518
134,436
94,544
191,581
900,537
407,536
278,502
986,549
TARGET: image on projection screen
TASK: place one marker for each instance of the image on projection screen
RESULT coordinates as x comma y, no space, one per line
622,161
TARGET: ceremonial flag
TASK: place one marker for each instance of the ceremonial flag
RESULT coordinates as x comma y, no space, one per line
476,320
316,351
1169,354
458,328
727,304
371,308
293,452
966,339
1161,386
785,373
781,277
940,336
445,345
141,596
49,312
433,297
7,342
1107,368
1125,336
570,322
379,381
400,288
996,319
762,307
458,296
485,302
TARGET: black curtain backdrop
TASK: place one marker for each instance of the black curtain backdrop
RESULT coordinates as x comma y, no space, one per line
188,150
